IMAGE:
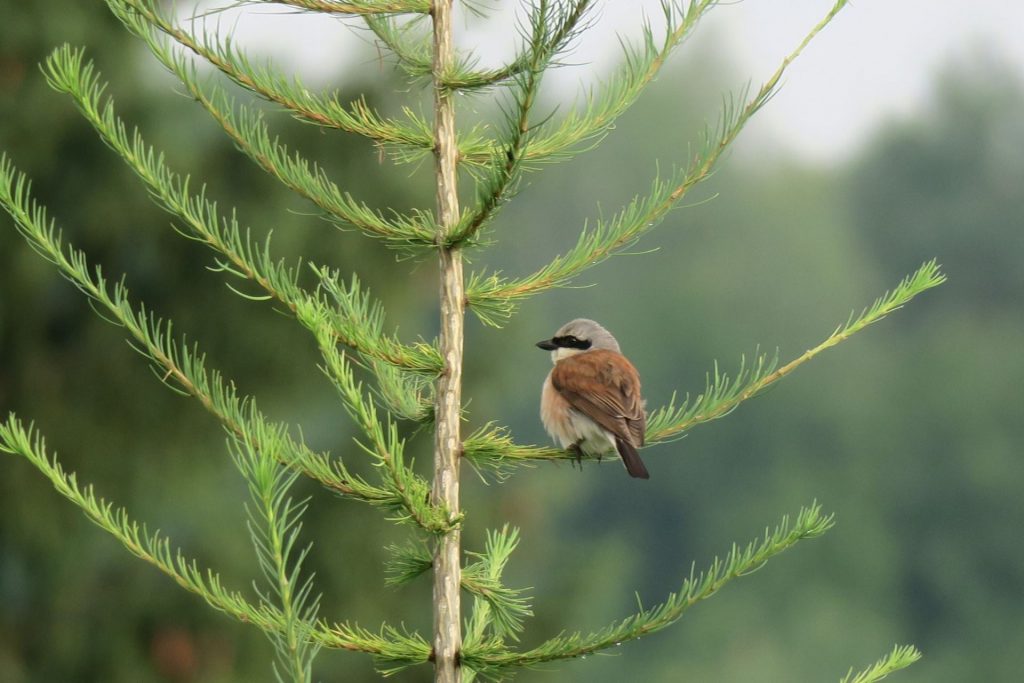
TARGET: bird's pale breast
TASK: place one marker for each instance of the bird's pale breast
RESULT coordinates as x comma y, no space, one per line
554,413
568,426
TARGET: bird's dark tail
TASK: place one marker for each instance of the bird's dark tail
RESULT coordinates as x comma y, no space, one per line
631,458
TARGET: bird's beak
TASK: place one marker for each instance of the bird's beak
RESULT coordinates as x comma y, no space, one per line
547,345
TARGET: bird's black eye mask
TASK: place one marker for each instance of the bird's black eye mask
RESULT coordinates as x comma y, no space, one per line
571,342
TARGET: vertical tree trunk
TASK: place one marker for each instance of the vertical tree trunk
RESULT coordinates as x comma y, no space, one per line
448,443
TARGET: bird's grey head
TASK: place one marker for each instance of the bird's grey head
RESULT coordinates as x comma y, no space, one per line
577,336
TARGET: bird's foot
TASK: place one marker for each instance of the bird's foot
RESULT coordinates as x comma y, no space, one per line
577,454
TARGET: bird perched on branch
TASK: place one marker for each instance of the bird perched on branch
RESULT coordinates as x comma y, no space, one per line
591,399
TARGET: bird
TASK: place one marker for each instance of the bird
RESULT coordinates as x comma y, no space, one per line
591,399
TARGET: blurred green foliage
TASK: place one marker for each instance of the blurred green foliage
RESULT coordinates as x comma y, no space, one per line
910,433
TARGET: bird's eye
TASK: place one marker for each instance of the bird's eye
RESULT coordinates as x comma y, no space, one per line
571,339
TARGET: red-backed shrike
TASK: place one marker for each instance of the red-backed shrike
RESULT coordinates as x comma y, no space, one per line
591,399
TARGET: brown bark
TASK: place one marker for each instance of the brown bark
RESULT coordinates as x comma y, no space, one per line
448,442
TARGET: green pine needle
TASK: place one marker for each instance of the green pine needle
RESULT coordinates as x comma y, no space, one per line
274,526
407,562
498,611
901,657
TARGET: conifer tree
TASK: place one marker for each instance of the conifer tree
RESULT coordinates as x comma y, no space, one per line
415,382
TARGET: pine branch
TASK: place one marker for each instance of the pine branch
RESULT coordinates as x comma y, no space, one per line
274,526
496,608
362,319
671,422
67,72
901,657
506,168
385,446
414,58
491,449
414,53
178,363
409,138
494,298
250,133
567,24
722,394
809,523
398,650
155,549
582,130
407,563
404,395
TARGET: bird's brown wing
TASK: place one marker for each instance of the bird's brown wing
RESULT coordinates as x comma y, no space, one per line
604,386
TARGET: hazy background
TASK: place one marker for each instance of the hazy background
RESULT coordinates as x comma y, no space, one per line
897,138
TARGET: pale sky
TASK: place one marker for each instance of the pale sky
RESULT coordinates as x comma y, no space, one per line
876,60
